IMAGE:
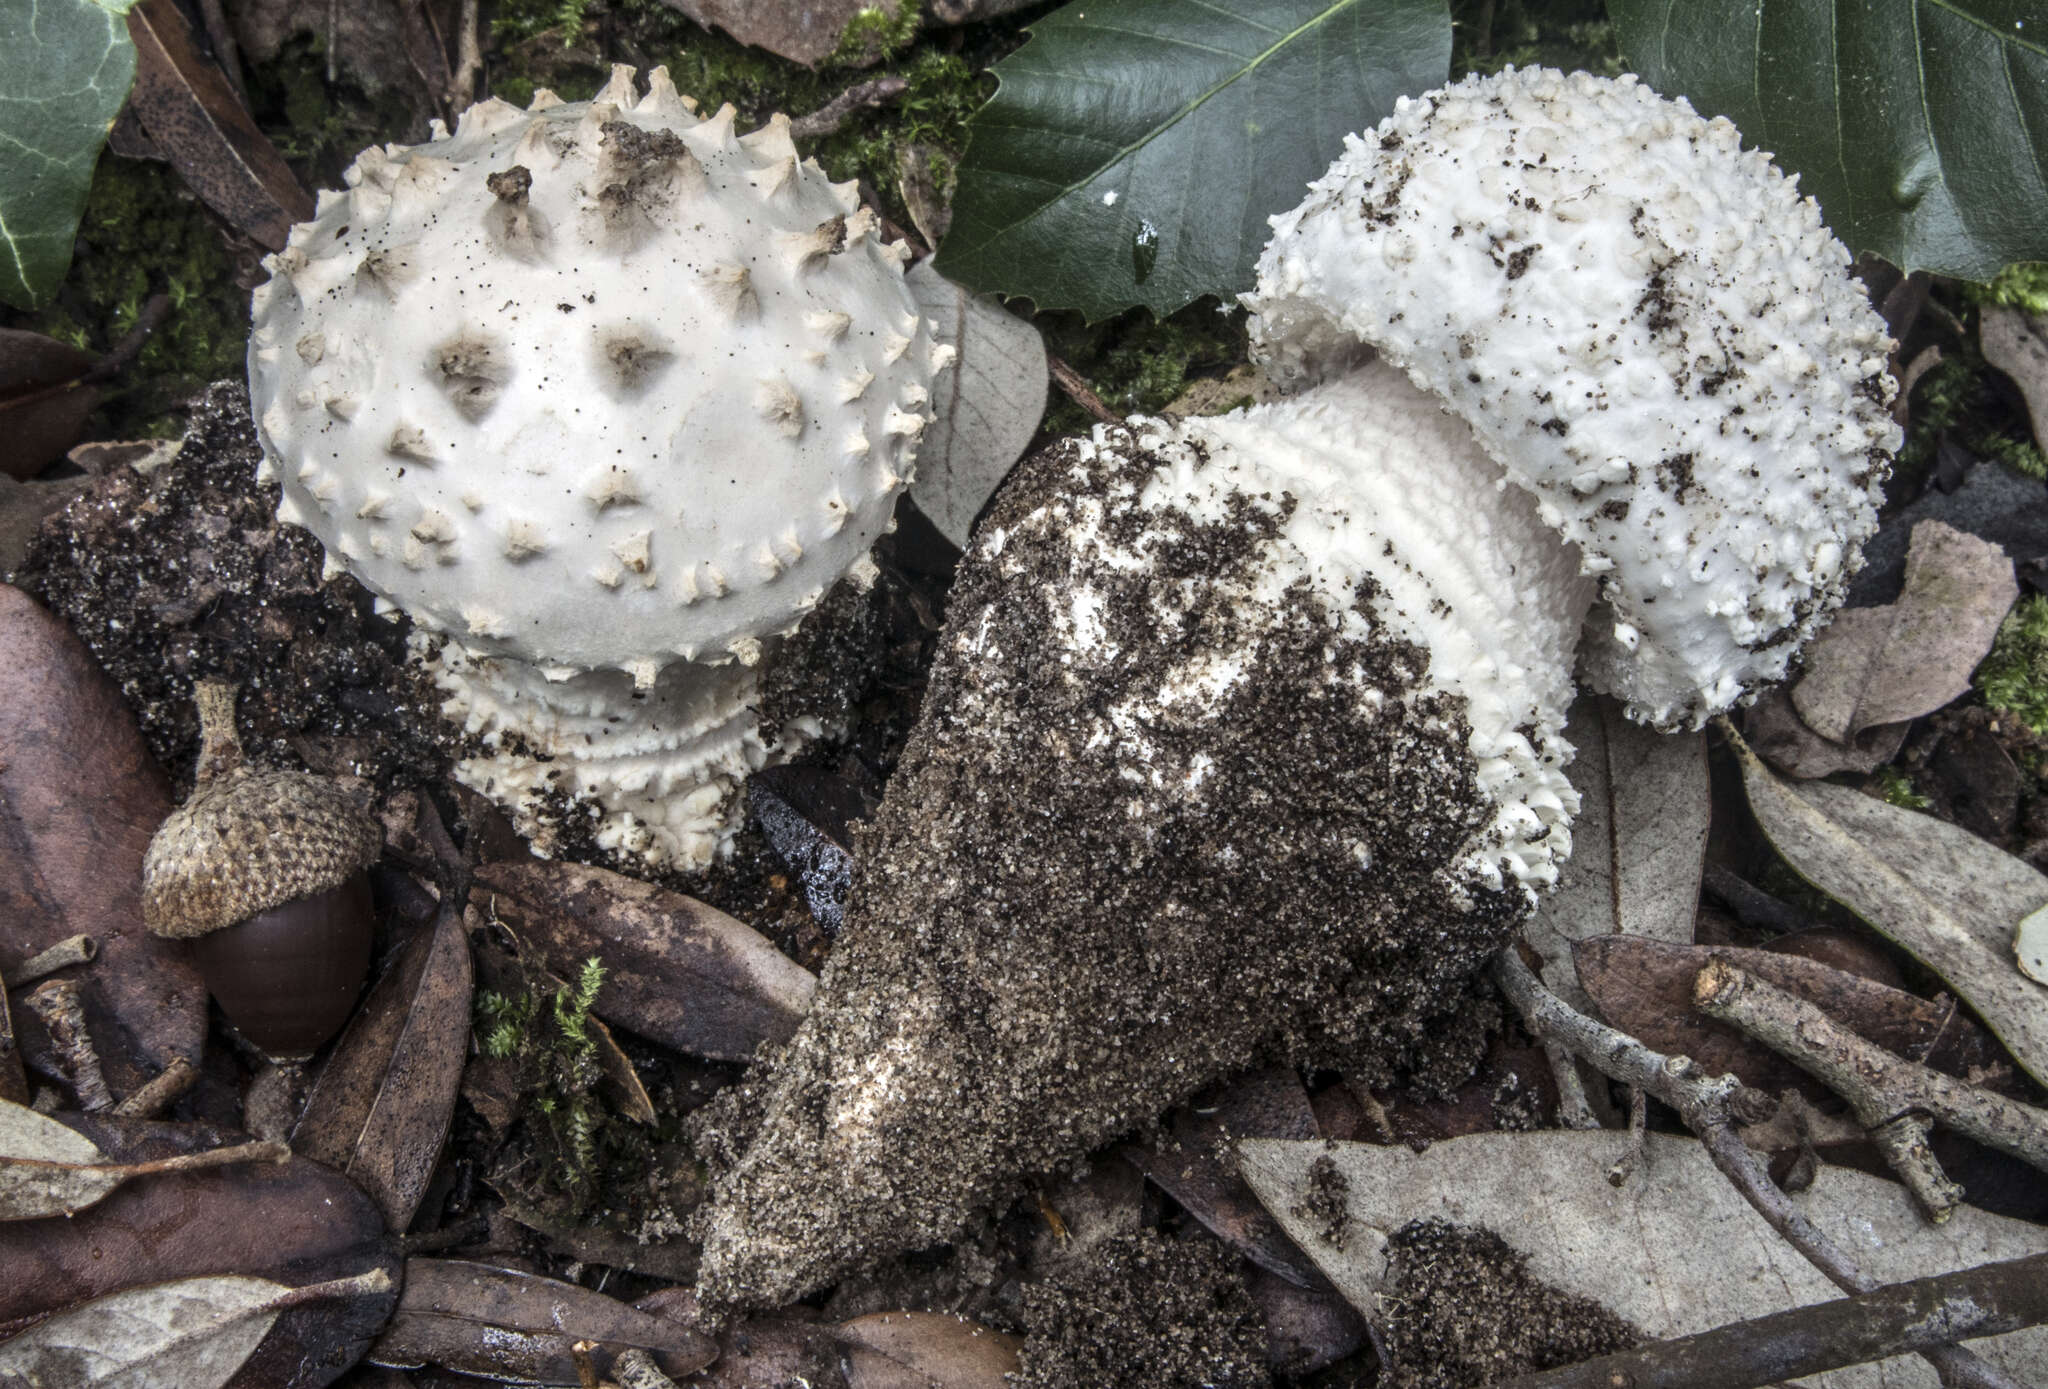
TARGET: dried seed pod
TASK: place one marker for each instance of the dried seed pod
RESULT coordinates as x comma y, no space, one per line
263,870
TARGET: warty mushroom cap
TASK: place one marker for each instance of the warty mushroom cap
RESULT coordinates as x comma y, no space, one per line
593,385
1645,325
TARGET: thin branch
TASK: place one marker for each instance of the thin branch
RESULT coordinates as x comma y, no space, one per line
1711,1107
827,119
1077,390
1879,1086
469,57
1897,1319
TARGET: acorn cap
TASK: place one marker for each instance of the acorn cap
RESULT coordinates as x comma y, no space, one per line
249,839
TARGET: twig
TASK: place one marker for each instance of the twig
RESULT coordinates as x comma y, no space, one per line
1711,1107
72,950
469,57
635,1369
261,1151
132,342
57,1003
1881,1088
827,119
1638,1133
161,1093
1077,390
1896,1319
1574,1110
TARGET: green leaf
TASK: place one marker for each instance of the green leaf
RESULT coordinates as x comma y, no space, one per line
1136,147
65,68
1920,125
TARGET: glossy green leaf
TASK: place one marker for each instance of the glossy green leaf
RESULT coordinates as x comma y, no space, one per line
1136,147
65,68
1920,125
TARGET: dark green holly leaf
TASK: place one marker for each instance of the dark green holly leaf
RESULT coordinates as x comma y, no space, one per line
1137,147
1920,125
65,67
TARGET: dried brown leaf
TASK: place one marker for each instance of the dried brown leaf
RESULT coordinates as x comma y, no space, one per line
1307,1329
1645,989
196,122
925,1350
381,1107
1638,844
195,1333
294,1222
1874,666
1940,893
1782,738
13,1081
676,971
79,800
1196,1164
47,1169
43,405
495,1322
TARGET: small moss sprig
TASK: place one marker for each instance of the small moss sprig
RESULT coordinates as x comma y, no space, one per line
547,1033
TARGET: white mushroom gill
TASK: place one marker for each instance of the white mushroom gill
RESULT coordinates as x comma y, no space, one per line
605,396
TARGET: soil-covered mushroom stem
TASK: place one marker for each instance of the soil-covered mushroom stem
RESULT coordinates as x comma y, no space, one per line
1711,1107
1895,1319
1879,1086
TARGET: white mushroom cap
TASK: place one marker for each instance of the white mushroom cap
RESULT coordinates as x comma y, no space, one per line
1645,326
593,386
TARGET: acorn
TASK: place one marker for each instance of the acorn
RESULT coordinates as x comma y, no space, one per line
263,870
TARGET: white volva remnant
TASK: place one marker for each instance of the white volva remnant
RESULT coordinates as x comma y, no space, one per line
559,385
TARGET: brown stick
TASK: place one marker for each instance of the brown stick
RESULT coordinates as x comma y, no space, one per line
1879,1086
57,1003
161,1093
72,950
828,118
1897,1319
469,57
1077,390
1711,1107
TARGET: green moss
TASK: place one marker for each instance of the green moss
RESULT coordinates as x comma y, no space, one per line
1959,398
144,234
875,34
2014,677
1897,789
2023,286
546,1030
1487,35
1137,363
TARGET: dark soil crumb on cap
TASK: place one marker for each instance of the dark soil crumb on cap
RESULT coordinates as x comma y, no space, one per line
1144,1312
188,573
1328,1202
1461,1310
1061,926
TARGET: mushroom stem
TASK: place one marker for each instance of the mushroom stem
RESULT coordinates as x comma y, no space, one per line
220,746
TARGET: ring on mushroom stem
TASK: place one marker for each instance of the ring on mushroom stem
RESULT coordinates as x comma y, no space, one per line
1580,385
605,397
264,871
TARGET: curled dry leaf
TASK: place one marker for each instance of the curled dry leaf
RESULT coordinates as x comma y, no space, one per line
294,1222
1645,989
71,863
197,123
381,1107
1674,1250
43,404
1196,1164
987,406
1307,1329
1638,844
676,971
925,1350
195,1333
1781,737
1943,895
47,1169
2017,344
494,1322
1876,666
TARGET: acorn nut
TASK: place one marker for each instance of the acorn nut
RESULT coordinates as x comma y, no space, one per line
263,870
